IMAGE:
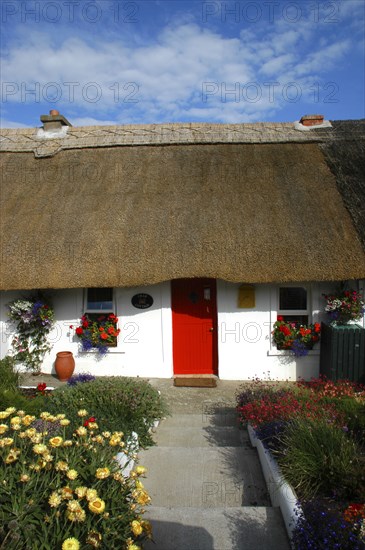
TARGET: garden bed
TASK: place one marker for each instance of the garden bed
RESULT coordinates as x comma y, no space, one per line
68,458
310,440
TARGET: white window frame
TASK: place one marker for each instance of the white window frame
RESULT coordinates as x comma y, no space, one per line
302,312
89,310
275,311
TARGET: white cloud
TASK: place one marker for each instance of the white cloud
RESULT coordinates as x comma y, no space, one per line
122,81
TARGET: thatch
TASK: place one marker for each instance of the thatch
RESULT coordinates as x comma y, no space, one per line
260,210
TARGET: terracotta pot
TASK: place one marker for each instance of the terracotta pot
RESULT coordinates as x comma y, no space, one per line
64,365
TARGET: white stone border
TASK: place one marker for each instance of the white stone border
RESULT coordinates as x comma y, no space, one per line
281,493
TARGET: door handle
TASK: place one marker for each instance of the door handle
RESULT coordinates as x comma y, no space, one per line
211,329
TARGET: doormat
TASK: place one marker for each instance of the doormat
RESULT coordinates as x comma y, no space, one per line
195,381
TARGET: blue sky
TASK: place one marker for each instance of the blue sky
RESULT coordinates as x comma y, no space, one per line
153,61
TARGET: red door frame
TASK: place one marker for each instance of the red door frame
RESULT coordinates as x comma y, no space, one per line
194,326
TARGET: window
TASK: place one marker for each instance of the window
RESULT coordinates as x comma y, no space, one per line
293,304
99,299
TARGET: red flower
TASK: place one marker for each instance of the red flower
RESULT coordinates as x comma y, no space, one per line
317,327
285,330
41,387
280,318
71,326
104,336
101,329
85,324
111,330
91,419
79,331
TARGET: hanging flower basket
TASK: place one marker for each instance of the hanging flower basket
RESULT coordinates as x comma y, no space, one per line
344,307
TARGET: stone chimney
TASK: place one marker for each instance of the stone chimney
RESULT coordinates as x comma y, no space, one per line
311,120
54,121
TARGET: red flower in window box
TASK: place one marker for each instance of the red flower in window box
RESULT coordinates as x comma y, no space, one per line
295,337
98,331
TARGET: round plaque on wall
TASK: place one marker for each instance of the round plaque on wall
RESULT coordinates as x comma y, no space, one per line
142,301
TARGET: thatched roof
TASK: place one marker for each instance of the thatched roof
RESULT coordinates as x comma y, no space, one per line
134,205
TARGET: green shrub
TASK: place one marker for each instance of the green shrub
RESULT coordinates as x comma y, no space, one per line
64,489
14,398
320,459
118,403
10,378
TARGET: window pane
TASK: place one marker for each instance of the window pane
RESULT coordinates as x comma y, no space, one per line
100,298
292,298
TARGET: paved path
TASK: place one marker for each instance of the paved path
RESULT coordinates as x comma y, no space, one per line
204,478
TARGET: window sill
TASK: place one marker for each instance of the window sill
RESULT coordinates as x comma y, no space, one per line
286,353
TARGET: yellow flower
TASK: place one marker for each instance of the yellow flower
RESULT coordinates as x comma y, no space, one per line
140,470
60,416
81,430
3,428
15,420
47,457
12,456
91,494
30,432
136,528
67,443
97,506
81,491
99,439
20,413
54,500
73,506
92,426
24,478
118,476
79,516
62,466
72,474
114,440
56,441
82,413
141,496
40,448
45,415
28,419
64,422
37,438
106,434
102,473
94,539
7,441
66,493
4,414
71,544
10,410
139,484
16,426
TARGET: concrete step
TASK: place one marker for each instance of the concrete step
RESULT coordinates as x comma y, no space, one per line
195,380
205,477
207,436
223,418
249,528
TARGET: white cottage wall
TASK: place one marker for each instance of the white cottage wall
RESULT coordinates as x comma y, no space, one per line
245,348
144,344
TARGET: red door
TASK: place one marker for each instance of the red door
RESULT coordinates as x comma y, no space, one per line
194,326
